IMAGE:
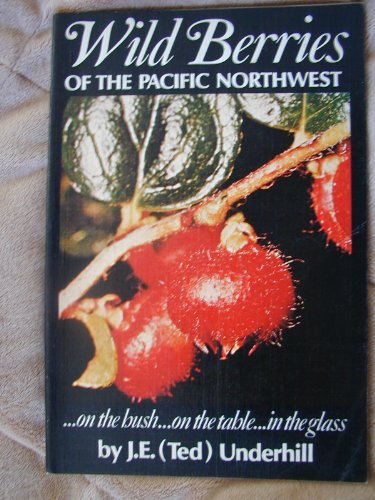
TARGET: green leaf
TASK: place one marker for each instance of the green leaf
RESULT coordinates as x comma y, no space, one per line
95,148
162,152
312,113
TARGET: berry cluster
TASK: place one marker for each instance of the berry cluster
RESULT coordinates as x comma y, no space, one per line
212,287
216,287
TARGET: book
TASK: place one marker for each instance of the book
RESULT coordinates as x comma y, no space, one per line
206,271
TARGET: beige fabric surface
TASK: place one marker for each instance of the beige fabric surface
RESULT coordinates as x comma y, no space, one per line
25,50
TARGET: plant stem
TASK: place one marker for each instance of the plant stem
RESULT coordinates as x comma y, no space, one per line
203,213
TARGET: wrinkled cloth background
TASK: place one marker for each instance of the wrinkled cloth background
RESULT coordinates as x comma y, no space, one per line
25,54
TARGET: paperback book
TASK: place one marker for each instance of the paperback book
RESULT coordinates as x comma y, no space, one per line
206,272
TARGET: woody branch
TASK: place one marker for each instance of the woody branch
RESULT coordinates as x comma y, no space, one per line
210,211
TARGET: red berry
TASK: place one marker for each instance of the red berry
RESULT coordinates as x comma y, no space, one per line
342,197
152,263
153,355
331,195
143,261
224,297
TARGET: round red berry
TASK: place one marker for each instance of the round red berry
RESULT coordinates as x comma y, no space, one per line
153,262
342,198
143,262
153,354
223,297
331,195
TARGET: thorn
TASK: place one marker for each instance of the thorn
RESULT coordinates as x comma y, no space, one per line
201,346
212,346
225,350
235,348
253,349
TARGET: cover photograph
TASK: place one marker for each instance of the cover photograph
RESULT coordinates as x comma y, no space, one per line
206,272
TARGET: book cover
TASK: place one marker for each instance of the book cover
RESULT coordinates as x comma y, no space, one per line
206,273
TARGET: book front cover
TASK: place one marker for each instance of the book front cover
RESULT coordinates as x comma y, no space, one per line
206,290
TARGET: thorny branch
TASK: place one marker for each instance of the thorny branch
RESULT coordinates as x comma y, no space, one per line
210,211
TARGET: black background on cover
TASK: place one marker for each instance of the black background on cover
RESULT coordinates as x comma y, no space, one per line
321,365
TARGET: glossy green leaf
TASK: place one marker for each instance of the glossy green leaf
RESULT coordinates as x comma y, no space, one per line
95,148
313,113
162,152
